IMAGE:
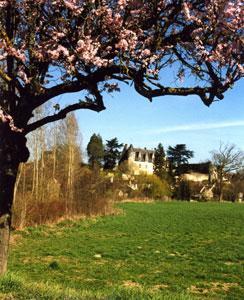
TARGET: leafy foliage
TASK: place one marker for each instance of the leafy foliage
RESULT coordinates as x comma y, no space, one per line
151,186
179,155
95,150
160,162
112,153
183,190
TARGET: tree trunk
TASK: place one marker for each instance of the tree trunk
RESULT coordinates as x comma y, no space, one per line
221,186
221,194
18,179
12,151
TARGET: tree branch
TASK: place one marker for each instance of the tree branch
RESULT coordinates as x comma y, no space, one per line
150,93
62,114
4,76
83,83
63,88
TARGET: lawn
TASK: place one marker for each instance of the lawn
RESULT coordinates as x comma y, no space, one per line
149,251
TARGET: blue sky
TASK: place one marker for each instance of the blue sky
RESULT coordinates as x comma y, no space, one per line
169,120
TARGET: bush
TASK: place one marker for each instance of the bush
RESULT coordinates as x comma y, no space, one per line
183,191
151,186
94,193
229,193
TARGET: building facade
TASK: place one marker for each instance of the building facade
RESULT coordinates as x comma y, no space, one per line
200,172
138,160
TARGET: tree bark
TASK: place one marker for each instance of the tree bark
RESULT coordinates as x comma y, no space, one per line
12,151
221,176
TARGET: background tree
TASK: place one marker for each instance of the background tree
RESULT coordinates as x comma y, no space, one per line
46,185
112,153
95,151
49,48
72,158
179,155
160,162
227,159
237,185
183,190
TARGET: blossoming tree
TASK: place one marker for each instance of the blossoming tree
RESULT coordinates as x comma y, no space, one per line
49,48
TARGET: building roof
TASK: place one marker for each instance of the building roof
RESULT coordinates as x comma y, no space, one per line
127,150
203,168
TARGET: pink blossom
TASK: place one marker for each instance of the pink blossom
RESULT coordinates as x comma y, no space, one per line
146,52
23,76
6,118
81,36
122,45
3,3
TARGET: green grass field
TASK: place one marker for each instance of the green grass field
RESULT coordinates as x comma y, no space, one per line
149,251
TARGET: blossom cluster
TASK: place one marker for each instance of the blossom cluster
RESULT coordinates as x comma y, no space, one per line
80,35
6,118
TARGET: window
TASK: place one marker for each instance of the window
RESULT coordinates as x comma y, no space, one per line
150,157
137,156
144,157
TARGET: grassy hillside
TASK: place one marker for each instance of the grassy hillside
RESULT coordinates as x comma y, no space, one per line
150,251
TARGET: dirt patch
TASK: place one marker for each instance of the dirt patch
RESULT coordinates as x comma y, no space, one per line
89,280
206,242
212,287
100,262
233,263
131,284
198,290
59,259
229,263
224,286
120,264
138,200
15,239
7,297
159,287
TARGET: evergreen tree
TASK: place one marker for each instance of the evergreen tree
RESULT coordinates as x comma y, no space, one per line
112,153
178,155
95,150
183,191
160,162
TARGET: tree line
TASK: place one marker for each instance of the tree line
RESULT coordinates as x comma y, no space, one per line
225,165
107,155
55,183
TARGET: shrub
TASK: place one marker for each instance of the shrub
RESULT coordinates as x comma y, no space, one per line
183,191
151,186
93,193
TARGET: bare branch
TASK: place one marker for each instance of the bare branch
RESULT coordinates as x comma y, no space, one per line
62,114
150,93
83,83
66,87
4,76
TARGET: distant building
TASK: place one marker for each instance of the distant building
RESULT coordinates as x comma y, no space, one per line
202,176
200,172
139,160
